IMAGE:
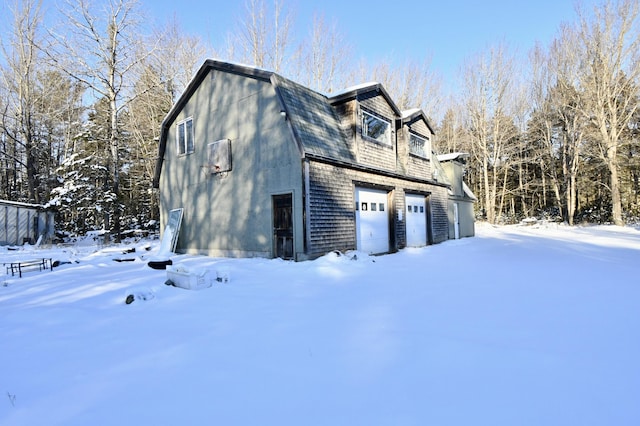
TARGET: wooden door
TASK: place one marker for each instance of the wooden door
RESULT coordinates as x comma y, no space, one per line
283,226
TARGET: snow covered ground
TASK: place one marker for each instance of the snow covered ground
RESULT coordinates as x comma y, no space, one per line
522,325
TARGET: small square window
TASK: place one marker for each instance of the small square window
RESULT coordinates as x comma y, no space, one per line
418,145
364,207
409,209
421,209
373,207
415,209
185,137
381,207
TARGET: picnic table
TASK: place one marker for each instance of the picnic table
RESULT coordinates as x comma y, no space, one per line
26,265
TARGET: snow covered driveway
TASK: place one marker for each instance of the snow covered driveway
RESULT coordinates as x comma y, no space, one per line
534,325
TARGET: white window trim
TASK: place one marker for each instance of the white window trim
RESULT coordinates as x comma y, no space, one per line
427,145
387,133
186,144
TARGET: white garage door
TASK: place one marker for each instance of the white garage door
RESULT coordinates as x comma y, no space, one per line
372,221
416,220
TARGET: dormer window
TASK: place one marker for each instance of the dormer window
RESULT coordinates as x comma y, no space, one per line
418,145
377,128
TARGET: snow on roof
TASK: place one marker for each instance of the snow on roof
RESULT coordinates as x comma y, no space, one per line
410,112
468,192
21,204
452,156
367,85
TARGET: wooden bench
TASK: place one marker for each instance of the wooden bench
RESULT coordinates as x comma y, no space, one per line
26,265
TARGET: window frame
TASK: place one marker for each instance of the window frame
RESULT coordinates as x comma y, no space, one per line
365,128
426,146
185,138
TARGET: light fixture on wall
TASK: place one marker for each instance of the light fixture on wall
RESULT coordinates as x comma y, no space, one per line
283,114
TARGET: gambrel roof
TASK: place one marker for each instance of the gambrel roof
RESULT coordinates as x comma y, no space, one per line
314,121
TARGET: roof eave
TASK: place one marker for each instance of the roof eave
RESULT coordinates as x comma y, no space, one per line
419,113
353,94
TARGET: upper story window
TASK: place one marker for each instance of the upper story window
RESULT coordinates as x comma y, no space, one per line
419,145
376,128
185,137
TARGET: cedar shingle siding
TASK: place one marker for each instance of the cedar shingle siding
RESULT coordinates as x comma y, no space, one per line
416,166
332,206
373,153
331,212
290,141
440,218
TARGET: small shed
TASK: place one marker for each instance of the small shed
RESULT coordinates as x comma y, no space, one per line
461,198
22,223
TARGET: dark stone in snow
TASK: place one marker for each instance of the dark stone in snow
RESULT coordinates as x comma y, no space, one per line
159,264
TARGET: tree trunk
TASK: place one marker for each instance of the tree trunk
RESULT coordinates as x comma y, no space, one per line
115,160
503,193
571,199
616,200
488,205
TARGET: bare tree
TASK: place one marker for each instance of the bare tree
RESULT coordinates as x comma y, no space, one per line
565,97
609,41
102,50
19,78
177,57
556,123
542,124
263,37
451,134
325,56
411,84
160,79
488,106
143,122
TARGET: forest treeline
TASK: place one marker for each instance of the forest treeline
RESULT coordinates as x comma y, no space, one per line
84,91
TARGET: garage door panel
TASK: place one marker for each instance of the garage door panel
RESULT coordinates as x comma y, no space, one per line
372,221
416,220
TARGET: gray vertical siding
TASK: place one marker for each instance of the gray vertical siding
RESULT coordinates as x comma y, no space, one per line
20,223
230,214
